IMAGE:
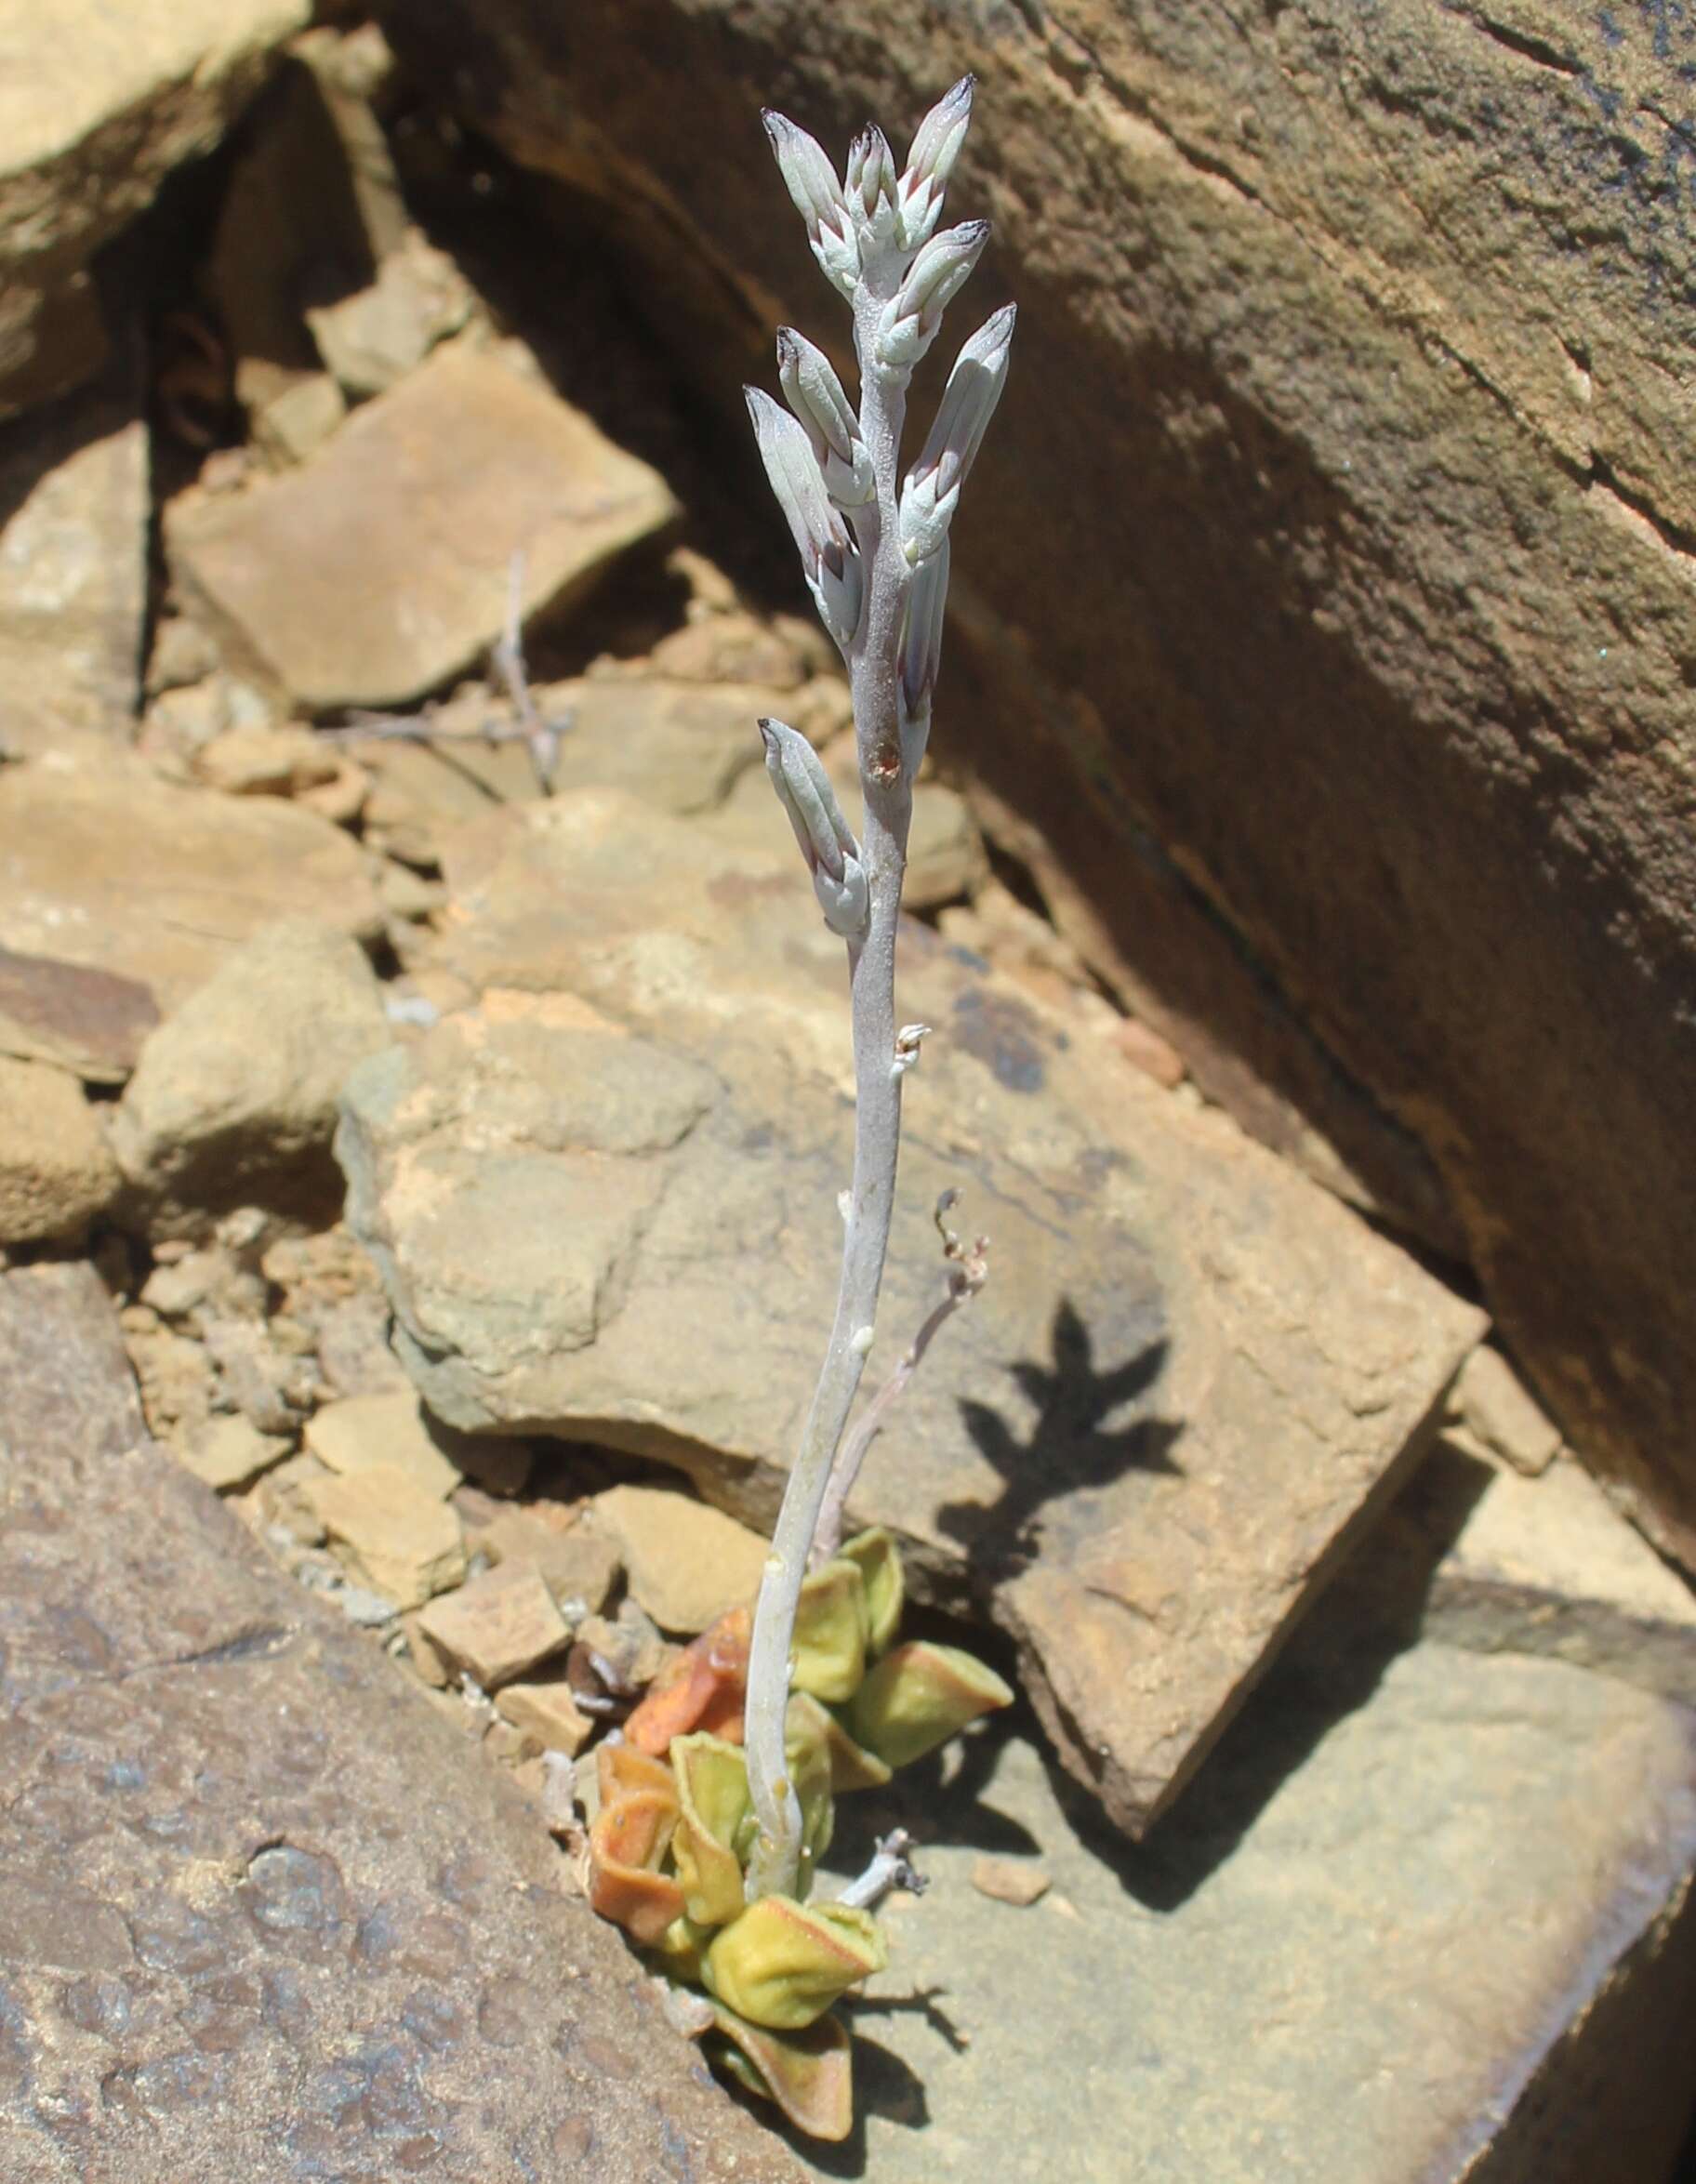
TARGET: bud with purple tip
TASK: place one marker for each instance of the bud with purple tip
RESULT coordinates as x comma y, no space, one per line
828,557
827,839
931,492
814,393
935,147
811,179
910,322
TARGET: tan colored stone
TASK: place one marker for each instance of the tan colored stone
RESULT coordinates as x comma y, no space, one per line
88,1022
286,1498
228,1452
350,1436
392,1535
113,867
578,1562
57,1171
1011,1880
1494,1408
425,1656
548,1714
1191,1378
297,419
499,1625
380,570
375,336
267,760
687,1563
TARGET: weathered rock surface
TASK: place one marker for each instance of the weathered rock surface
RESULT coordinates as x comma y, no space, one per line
230,1451
501,1624
391,1533
605,1207
92,119
1426,1920
111,868
75,513
57,1171
687,1563
261,1920
88,1022
388,1427
234,1099
380,570
1352,389
1478,1555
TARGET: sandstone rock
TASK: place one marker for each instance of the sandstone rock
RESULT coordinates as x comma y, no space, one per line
394,1537
57,1171
1478,1556
380,570
95,117
1346,719
232,1102
1011,1880
113,868
296,422
284,1498
375,336
263,1914
687,1563
577,1563
499,1625
91,1023
283,762
74,543
389,1427
228,1452
547,1714
1189,1380
1493,1407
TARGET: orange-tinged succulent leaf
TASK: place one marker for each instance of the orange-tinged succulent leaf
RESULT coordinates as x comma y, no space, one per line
852,1768
879,1561
808,2074
712,1790
918,1697
703,1688
620,1771
831,1627
782,1964
629,1840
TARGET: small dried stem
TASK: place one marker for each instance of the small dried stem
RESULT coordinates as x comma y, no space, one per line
890,1869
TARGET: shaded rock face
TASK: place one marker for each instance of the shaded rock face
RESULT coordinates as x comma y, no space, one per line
1353,386
604,1203
262,1918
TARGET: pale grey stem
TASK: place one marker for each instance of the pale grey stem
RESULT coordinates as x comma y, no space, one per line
890,1867
874,679
967,1273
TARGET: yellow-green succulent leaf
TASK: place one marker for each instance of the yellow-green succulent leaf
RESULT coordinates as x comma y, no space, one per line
852,1768
682,1947
879,1561
833,1623
712,1794
808,2073
918,1697
807,1748
782,1964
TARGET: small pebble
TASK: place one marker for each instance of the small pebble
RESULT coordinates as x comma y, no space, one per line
1009,1880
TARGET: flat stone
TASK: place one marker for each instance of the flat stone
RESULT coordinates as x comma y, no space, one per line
375,336
92,120
547,1714
1011,1880
499,1625
380,570
1477,1555
393,1535
390,1428
91,1023
1493,1407
232,1102
577,1562
113,867
687,1563
604,1204
228,1452
57,1171
264,1914
74,543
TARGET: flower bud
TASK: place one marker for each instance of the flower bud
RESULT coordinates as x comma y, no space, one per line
871,188
812,182
782,1964
930,162
828,558
921,656
827,840
824,414
910,322
931,492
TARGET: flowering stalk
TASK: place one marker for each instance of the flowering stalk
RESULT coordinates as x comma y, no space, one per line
875,557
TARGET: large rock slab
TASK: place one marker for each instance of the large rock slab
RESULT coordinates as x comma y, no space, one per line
110,866
1426,1921
604,1204
1351,405
97,107
260,1918
380,570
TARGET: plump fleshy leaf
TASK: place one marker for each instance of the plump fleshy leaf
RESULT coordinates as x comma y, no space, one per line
629,1840
712,1794
808,2074
878,1558
850,1767
705,1688
918,1697
782,1964
832,1624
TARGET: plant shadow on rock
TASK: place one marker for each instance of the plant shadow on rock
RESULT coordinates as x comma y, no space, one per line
1072,1449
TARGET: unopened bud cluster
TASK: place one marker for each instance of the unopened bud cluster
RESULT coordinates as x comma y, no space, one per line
875,231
